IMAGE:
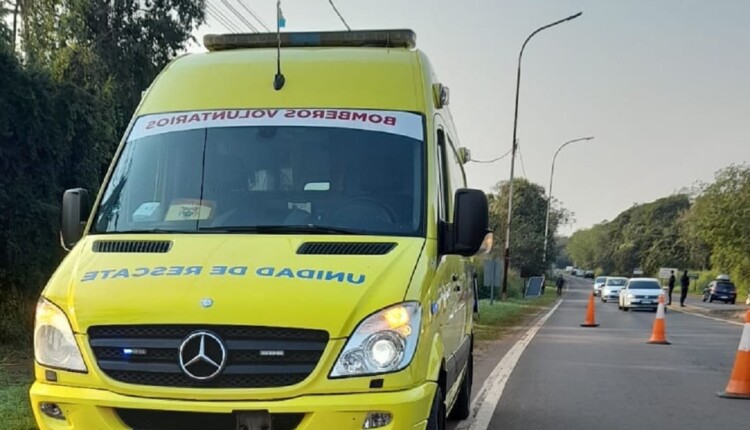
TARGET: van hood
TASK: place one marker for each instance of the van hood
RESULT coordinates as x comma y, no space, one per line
237,279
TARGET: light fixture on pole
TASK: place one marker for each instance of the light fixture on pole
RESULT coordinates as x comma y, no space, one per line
549,190
506,254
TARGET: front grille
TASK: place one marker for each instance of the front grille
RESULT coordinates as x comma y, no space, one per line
143,419
257,357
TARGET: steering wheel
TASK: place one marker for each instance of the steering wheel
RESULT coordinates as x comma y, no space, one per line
364,209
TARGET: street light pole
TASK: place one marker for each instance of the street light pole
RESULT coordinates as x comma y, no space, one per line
549,190
506,254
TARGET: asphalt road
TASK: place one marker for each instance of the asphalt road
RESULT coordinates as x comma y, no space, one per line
608,378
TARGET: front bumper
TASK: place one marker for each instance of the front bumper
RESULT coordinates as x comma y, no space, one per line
611,296
86,408
642,303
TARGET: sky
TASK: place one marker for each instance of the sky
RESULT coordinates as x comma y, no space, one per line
664,86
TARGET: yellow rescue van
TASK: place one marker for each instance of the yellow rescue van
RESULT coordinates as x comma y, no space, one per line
284,241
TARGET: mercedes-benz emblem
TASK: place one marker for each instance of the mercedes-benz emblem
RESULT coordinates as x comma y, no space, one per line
202,355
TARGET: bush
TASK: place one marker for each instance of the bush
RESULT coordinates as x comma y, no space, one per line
16,324
704,278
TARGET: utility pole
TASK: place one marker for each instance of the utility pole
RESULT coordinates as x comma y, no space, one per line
506,254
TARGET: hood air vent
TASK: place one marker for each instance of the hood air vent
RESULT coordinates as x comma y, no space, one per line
133,246
345,248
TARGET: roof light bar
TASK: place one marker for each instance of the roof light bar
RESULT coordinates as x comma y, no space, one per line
358,38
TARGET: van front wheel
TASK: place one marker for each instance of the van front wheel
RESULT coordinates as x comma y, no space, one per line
462,408
436,421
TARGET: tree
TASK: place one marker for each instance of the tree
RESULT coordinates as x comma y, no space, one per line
112,48
527,232
647,236
562,257
65,100
720,218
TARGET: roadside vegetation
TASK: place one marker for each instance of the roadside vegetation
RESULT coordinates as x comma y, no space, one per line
705,231
497,319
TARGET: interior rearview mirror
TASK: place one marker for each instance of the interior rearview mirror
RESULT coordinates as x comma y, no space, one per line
75,212
470,227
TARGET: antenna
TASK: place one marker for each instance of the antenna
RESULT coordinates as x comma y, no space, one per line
279,80
343,21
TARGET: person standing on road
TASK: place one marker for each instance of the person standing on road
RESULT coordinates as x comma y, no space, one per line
560,283
684,283
672,281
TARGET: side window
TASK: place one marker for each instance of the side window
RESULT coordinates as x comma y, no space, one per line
444,179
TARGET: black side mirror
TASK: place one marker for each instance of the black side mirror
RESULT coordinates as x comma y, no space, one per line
75,212
470,225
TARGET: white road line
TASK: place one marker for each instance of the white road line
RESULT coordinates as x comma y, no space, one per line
708,317
483,406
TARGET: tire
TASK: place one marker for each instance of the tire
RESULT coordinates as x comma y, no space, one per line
625,308
710,299
462,407
604,300
436,420
704,299
733,301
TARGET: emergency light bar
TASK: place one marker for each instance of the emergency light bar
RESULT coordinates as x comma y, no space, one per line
357,38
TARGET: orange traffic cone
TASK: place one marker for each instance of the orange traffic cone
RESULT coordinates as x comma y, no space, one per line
659,333
739,382
590,319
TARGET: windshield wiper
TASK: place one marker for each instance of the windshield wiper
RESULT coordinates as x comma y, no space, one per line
281,229
143,231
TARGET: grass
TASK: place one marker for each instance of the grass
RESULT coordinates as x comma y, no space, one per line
499,318
15,380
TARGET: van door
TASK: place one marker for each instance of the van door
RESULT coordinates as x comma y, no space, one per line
462,287
450,273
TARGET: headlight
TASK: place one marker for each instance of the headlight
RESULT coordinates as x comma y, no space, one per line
54,343
383,342
631,296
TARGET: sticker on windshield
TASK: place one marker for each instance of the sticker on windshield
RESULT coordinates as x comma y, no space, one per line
189,210
394,122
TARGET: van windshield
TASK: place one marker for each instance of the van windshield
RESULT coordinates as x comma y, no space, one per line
236,179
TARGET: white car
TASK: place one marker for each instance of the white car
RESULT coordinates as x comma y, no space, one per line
640,293
611,288
598,283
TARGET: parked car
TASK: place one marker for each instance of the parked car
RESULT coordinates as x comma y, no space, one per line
598,283
611,288
722,289
640,293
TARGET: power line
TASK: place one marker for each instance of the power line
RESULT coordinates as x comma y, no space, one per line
523,167
254,15
240,16
492,160
339,14
217,14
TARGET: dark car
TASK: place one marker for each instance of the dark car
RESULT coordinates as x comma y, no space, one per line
720,289
588,274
